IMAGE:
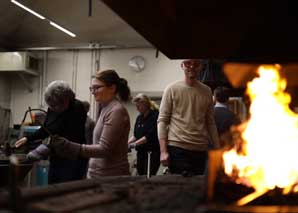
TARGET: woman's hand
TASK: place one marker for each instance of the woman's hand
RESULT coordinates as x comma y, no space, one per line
21,142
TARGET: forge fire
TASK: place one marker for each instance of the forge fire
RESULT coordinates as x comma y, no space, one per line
267,156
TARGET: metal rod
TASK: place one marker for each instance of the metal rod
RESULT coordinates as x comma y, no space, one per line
149,164
42,125
250,197
30,113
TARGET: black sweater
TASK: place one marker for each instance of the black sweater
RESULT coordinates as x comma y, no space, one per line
147,126
71,125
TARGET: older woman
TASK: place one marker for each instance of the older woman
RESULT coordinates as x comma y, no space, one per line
145,135
108,153
66,117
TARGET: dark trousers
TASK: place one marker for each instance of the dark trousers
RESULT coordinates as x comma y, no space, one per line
67,170
142,162
187,162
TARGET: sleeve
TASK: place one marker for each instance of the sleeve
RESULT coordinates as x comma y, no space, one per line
165,113
210,123
80,115
136,126
152,129
89,127
113,127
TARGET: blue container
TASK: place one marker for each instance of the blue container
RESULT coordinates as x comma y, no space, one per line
42,172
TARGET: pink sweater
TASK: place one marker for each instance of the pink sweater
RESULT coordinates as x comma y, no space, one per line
109,150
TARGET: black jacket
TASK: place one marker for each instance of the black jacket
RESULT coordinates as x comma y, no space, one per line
71,125
224,119
147,127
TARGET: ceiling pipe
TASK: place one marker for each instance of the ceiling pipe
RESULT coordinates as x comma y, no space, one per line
86,47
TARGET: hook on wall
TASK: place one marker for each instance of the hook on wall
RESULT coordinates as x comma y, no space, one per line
90,8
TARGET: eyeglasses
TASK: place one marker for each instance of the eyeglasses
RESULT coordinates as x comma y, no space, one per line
94,88
189,64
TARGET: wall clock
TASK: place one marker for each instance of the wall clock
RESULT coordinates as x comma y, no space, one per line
137,63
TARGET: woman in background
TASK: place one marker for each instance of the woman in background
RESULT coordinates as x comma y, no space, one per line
108,153
145,138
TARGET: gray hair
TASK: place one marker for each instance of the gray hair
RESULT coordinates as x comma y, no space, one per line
57,91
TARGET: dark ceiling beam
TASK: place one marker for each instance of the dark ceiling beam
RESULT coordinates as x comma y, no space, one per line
154,20
258,31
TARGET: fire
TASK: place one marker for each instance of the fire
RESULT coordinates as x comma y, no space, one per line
268,157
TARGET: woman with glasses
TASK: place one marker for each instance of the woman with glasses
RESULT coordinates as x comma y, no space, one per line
108,153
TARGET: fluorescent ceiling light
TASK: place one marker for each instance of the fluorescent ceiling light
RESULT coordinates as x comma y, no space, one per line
29,10
62,29
41,17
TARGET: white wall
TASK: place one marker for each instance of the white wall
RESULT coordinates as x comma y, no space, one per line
156,75
77,66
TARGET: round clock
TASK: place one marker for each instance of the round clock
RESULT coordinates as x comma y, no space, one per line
137,63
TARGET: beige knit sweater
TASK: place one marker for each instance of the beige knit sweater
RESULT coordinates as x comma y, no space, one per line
186,117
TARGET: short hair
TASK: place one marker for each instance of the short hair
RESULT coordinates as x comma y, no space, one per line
146,100
57,91
221,94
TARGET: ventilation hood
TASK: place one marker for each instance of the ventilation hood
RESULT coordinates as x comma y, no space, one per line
18,62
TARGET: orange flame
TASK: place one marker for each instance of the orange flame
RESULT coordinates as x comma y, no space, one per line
269,157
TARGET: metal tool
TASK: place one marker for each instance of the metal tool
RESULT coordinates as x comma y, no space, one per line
149,164
42,126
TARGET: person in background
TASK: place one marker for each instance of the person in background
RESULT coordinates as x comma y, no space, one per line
224,117
66,117
145,138
186,123
89,125
108,153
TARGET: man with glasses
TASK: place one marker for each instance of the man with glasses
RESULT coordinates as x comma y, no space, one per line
186,123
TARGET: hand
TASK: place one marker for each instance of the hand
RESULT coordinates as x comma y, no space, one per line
21,142
164,158
65,148
131,145
57,141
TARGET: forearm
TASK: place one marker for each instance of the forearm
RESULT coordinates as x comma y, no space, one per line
72,150
214,137
131,139
163,143
164,155
94,151
140,141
